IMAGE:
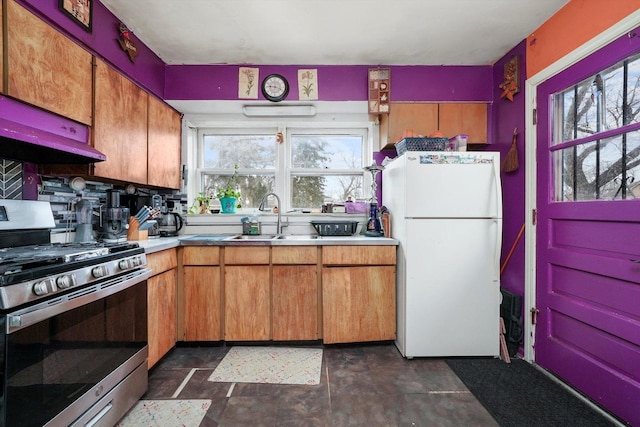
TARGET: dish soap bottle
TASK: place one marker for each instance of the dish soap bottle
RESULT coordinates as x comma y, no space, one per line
254,224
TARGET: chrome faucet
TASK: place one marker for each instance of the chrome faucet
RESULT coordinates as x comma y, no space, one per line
261,208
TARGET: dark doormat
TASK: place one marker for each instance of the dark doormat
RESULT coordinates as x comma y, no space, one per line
517,394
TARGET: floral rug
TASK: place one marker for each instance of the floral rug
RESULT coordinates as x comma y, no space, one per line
163,413
273,365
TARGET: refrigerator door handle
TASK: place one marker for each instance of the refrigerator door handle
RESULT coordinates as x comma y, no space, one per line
496,256
498,189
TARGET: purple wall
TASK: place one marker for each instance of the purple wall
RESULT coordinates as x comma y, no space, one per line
337,83
505,116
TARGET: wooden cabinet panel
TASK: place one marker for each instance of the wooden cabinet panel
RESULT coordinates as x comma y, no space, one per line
359,304
247,303
162,261
294,254
354,255
202,304
120,126
295,302
161,306
470,119
45,68
246,255
164,145
200,255
422,118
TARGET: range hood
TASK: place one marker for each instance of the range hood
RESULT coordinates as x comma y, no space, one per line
28,134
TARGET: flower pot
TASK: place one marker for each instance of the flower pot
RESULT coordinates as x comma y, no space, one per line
228,205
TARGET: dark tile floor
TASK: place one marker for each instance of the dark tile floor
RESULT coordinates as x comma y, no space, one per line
361,385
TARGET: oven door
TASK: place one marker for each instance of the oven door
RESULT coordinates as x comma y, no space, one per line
63,355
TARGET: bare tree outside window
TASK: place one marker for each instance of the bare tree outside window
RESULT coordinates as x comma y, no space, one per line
600,168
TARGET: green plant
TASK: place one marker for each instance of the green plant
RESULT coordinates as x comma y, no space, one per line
230,190
200,204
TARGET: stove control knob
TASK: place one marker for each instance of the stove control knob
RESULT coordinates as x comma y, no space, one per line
66,281
99,271
40,288
126,264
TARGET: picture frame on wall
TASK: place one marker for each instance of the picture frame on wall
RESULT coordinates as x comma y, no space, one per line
80,11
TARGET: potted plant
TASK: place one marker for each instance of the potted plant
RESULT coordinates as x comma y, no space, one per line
229,194
200,204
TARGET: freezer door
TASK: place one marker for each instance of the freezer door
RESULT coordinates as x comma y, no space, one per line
461,186
452,288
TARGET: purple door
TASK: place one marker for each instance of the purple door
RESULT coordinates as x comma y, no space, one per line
588,232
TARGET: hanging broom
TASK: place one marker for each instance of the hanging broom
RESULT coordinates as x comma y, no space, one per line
511,159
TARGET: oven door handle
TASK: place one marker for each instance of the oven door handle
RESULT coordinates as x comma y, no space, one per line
31,315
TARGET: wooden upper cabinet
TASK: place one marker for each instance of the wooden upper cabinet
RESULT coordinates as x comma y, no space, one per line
425,118
422,118
45,68
470,119
164,145
120,126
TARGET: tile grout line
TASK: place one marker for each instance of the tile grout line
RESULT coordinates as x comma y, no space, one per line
233,385
449,392
184,383
326,368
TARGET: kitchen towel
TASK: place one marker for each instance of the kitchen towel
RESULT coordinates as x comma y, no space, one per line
160,413
272,365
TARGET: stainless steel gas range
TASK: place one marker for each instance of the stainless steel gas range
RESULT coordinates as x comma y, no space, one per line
73,324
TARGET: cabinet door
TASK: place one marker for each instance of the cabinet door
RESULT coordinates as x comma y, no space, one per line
164,145
246,303
470,119
422,118
120,126
359,304
162,261
202,304
295,302
200,255
161,306
45,68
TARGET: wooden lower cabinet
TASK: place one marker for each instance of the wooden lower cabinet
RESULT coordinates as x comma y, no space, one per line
295,302
247,306
359,303
161,306
202,304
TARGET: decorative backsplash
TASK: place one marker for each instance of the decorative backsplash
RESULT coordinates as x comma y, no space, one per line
10,179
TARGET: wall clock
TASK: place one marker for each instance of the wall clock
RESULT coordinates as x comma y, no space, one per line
275,87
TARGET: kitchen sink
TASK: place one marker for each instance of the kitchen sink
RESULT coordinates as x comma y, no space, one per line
298,237
252,237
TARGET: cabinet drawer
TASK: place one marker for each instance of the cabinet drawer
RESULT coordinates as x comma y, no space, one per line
246,255
358,255
200,255
294,255
162,261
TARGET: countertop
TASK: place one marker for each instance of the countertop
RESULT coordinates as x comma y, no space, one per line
162,243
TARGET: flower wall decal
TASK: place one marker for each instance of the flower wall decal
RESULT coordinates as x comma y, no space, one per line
308,84
247,82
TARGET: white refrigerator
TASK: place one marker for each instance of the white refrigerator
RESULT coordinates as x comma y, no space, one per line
446,212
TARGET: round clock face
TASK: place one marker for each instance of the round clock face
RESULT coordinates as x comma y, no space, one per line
275,87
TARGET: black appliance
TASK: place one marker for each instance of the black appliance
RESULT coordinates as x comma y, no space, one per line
73,324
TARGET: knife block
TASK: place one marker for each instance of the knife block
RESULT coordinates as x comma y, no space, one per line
134,232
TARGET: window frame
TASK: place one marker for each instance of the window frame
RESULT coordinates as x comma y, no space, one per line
283,167
558,144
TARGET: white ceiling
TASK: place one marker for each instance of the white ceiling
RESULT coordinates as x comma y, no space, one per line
332,32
